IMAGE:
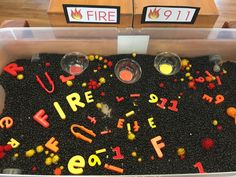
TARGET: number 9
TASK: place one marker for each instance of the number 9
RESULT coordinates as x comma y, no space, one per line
153,98
167,14
93,160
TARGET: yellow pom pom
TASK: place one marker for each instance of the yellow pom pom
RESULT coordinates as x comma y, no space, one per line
139,159
131,136
84,84
30,153
134,55
69,83
187,68
16,155
52,154
99,105
91,57
102,80
48,161
39,149
20,76
46,152
190,78
134,154
105,66
100,58
180,151
215,122
182,79
55,159
95,70
187,74
184,62
96,57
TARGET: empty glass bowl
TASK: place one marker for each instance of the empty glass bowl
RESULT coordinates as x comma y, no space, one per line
128,71
167,63
74,63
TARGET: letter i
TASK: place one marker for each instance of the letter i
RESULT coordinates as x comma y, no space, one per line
59,110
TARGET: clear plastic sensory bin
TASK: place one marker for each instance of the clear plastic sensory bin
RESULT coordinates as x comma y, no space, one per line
107,101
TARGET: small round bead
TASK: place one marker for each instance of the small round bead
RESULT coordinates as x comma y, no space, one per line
131,136
134,54
134,154
215,122
55,159
190,78
39,149
102,80
84,84
180,151
187,74
48,161
99,105
30,153
139,159
69,83
91,57
20,76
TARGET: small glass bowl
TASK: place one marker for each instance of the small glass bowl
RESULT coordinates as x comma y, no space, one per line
128,71
74,63
167,63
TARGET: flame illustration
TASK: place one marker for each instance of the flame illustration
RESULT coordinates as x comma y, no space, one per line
76,14
153,14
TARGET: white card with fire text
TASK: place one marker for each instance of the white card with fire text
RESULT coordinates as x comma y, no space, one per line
78,14
163,14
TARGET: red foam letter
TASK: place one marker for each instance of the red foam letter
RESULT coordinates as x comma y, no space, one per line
41,118
207,98
12,69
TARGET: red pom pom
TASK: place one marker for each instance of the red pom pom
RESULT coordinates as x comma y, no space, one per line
102,94
1,148
207,143
211,86
161,85
2,154
109,64
7,148
47,64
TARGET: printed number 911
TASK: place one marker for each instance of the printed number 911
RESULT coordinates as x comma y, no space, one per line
169,13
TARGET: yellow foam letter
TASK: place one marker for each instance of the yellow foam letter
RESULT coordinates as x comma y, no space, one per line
76,165
13,143
74,101
59,110
89,96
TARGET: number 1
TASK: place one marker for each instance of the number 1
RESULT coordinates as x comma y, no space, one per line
179,12
118,153
187,16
